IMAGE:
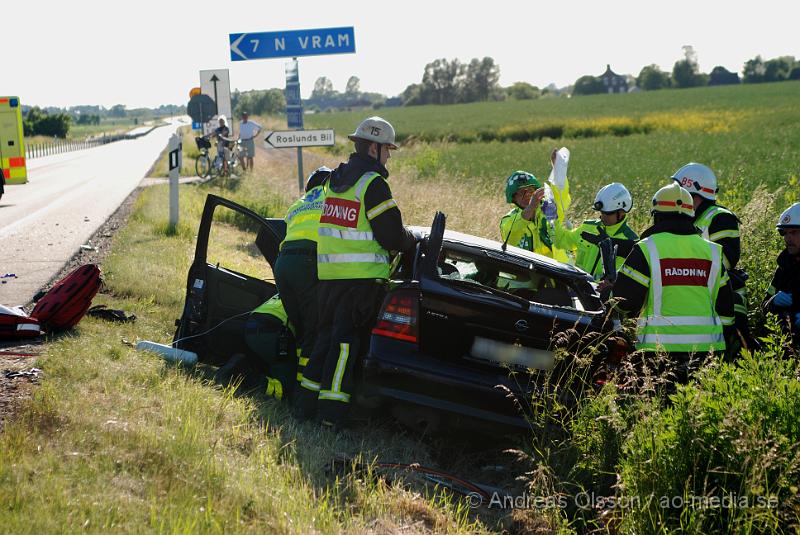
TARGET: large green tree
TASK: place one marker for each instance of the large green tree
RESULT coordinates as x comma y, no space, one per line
323,89
754,70
118,110
651,78
686,72
442,81
261,102
481,80
588,85
522,91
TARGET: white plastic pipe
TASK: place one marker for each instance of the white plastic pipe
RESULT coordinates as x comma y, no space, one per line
169,353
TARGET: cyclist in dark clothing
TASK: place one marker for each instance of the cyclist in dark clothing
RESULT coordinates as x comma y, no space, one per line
222,133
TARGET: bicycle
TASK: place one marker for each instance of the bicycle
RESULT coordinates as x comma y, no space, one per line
207,167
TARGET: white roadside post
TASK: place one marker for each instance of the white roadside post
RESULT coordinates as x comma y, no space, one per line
175,153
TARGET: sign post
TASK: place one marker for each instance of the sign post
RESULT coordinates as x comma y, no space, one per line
175,156
294,110
291,44
216,83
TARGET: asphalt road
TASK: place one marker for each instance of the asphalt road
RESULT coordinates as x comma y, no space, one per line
67,197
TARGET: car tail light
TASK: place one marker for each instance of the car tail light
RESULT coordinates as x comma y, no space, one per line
398,317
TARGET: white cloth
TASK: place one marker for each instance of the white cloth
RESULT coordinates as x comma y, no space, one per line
248,130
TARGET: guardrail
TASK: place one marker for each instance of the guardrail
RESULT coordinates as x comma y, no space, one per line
60,146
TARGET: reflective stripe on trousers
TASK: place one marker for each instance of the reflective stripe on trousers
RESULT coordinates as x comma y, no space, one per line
335,393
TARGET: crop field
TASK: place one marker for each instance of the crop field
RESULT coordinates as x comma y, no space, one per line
749,135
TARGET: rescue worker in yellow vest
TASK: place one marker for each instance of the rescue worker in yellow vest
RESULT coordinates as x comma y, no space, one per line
721,226
269,335
296,266
359,227
675,282
783,294
613,201
525,226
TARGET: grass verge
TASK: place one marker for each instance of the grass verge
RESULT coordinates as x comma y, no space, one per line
118,440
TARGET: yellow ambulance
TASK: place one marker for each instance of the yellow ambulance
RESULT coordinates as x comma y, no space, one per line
12,145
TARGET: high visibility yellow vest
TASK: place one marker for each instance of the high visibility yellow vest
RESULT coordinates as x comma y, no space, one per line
704,221
685,278
588,254
530,235
302,218
346,247
274,307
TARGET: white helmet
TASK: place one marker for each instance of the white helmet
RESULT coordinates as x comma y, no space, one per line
698,179
375,129
613,197
790,218
223,119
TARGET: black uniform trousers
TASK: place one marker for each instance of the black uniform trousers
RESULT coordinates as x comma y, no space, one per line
347,311
273,344
296,278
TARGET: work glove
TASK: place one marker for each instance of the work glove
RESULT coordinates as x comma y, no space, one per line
274,388
782,299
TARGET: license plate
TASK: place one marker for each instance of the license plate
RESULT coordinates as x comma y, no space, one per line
512,354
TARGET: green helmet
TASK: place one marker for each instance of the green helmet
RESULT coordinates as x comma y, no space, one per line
517,181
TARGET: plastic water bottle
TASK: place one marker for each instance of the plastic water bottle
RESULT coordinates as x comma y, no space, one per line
549,208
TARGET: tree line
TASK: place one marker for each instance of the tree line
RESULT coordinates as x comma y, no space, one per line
56,122
686,73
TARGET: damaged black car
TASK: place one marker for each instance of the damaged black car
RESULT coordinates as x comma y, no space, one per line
467,337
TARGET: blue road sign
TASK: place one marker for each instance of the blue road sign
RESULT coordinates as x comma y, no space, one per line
292,94
197,125
293,43
294,116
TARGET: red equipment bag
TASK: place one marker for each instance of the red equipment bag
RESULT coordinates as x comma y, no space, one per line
67,302
14,323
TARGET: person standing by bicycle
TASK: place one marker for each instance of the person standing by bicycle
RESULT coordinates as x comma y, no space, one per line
248,130
222,133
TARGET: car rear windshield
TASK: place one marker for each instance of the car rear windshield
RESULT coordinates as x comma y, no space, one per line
527,283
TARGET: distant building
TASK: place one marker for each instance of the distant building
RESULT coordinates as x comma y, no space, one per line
722,76
613,82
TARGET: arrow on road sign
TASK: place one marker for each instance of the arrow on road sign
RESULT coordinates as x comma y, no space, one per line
300,138
214,79
235,46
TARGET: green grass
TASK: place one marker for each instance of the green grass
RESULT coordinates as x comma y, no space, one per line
442,122
117,440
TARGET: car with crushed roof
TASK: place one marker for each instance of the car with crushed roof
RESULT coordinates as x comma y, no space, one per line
467,336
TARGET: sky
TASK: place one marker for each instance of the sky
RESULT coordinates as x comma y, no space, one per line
148,53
